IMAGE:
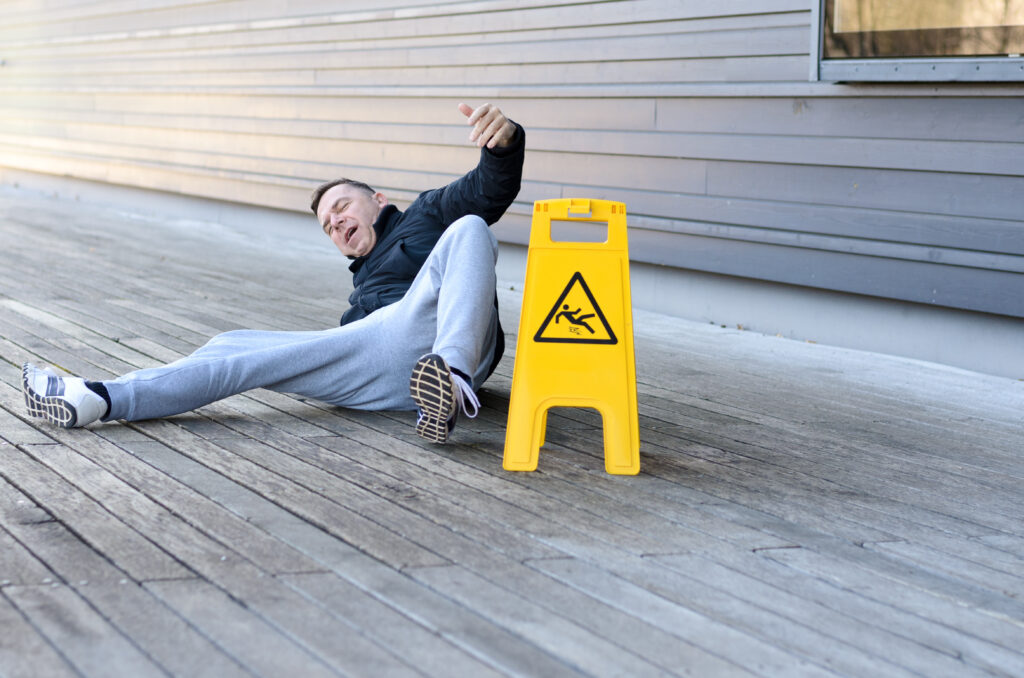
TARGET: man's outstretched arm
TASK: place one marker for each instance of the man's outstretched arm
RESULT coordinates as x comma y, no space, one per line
488,189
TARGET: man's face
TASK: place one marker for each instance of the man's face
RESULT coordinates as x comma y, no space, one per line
347,214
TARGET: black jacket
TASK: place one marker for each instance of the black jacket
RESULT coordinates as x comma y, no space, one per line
404,239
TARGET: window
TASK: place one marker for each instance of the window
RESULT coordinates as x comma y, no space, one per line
910,40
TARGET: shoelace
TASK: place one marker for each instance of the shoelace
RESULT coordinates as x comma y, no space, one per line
466,397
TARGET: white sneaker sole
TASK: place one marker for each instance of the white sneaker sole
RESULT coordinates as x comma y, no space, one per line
54,409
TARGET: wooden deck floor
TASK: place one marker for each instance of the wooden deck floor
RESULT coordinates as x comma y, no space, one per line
801,510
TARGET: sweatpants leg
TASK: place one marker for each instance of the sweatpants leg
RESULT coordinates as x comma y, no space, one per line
363,365
454,295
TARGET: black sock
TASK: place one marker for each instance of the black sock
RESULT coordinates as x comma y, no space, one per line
462,374
99,389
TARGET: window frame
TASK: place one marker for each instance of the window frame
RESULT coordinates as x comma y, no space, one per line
906,69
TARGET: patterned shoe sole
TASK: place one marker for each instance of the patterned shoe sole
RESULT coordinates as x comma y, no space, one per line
431,388
53,409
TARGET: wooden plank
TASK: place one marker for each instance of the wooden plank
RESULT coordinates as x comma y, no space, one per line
931,603
390,503
24,652
734,608
506,651
794,529
334,641
18,566
532,509
417,645
426,23
977,566
897,516
1006,543
754,68
86,640
14,431
67,557
252,507
898,117
629,45
894,407
548,514
243,581
187,505
902,487
673,644
878,611
166,638
849,638
557,636
741,648
431,23
162,635
455,624
136,555
589,617
875,189
433,512
314,507
257,645
154,521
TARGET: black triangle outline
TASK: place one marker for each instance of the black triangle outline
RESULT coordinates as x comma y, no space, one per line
576,277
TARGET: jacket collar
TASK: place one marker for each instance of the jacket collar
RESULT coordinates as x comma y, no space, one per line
383,225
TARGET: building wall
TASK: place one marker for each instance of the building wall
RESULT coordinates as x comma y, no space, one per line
698,114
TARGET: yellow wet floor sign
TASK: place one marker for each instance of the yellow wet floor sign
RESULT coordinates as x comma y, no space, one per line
575,346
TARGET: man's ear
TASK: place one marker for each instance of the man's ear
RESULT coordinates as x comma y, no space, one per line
382,200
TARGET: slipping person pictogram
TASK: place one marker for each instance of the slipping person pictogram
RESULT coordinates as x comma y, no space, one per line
571,317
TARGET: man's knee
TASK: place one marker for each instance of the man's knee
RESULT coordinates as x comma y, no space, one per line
472,230
470,221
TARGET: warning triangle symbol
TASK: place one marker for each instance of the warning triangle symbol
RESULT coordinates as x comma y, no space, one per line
576,318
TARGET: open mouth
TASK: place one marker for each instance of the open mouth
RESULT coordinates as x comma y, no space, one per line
349,232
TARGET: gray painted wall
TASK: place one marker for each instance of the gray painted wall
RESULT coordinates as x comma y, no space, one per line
697,114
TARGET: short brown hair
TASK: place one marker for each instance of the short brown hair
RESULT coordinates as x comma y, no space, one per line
318,193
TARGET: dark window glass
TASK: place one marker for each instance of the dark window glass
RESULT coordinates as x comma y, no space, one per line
886,29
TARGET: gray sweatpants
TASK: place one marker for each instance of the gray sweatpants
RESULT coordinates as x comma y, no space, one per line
449,310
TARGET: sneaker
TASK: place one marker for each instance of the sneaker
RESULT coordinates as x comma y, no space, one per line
64,401
440,393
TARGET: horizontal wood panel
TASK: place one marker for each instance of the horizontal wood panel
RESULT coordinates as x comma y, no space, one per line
322,21
907,117
696,114
514,49
410,75
248,136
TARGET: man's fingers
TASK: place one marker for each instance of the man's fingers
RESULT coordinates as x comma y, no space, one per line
494,134
504,136
490,126
487,126
481,111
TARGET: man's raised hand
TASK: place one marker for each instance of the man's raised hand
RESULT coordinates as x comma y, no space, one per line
490,126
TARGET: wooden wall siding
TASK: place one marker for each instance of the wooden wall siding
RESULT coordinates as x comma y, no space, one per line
697,114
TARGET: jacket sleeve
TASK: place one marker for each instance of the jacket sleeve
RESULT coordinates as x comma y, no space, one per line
487,190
